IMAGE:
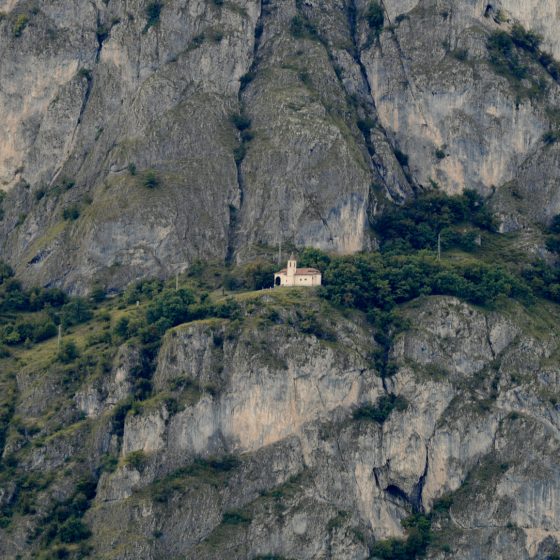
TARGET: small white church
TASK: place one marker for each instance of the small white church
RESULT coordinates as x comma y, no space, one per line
294,276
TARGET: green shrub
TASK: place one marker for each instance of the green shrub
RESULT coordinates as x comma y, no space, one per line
375,17
71,213
118,417
553,243
66,184
153,14
241,122
239,153
97,293
550,65
302,28
172,307
142,290
75,312
503,56
544,280
313,258
443,504
554,227
85,73
366,125
216,35
20,24
309,323
235,518
419,535
213,471
68,352
121,327
247,136
97,338
6,271
109,463
150,179
102,32
225,463
381,410
256,275
460,54
136,459
367,282
197,40
417,223
34,329
551,137
305,78
460,239
74,530
527,40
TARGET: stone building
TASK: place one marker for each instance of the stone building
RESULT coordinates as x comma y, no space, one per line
294,276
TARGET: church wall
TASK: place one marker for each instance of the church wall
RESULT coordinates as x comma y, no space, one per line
299,280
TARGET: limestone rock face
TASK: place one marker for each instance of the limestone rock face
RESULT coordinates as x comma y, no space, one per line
266,435
479,425
103,394
130,120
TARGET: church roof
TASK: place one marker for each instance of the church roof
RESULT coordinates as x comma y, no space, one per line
301,271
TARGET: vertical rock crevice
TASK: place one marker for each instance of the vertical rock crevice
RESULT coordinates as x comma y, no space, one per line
234,211
416,497
370,107
102,33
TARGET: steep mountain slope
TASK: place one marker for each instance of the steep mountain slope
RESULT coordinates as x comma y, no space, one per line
357,479
140,137
274,434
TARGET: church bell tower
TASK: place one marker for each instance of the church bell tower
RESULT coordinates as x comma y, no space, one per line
292,266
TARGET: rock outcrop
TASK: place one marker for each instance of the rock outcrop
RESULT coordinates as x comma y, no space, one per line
141,137
479,427
273,434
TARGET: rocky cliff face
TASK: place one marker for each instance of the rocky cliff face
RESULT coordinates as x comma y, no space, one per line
479,424
334,117
253,444
140,137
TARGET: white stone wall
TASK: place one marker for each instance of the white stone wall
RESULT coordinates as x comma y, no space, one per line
298,279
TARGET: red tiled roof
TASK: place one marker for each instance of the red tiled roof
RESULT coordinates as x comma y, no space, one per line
301,271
